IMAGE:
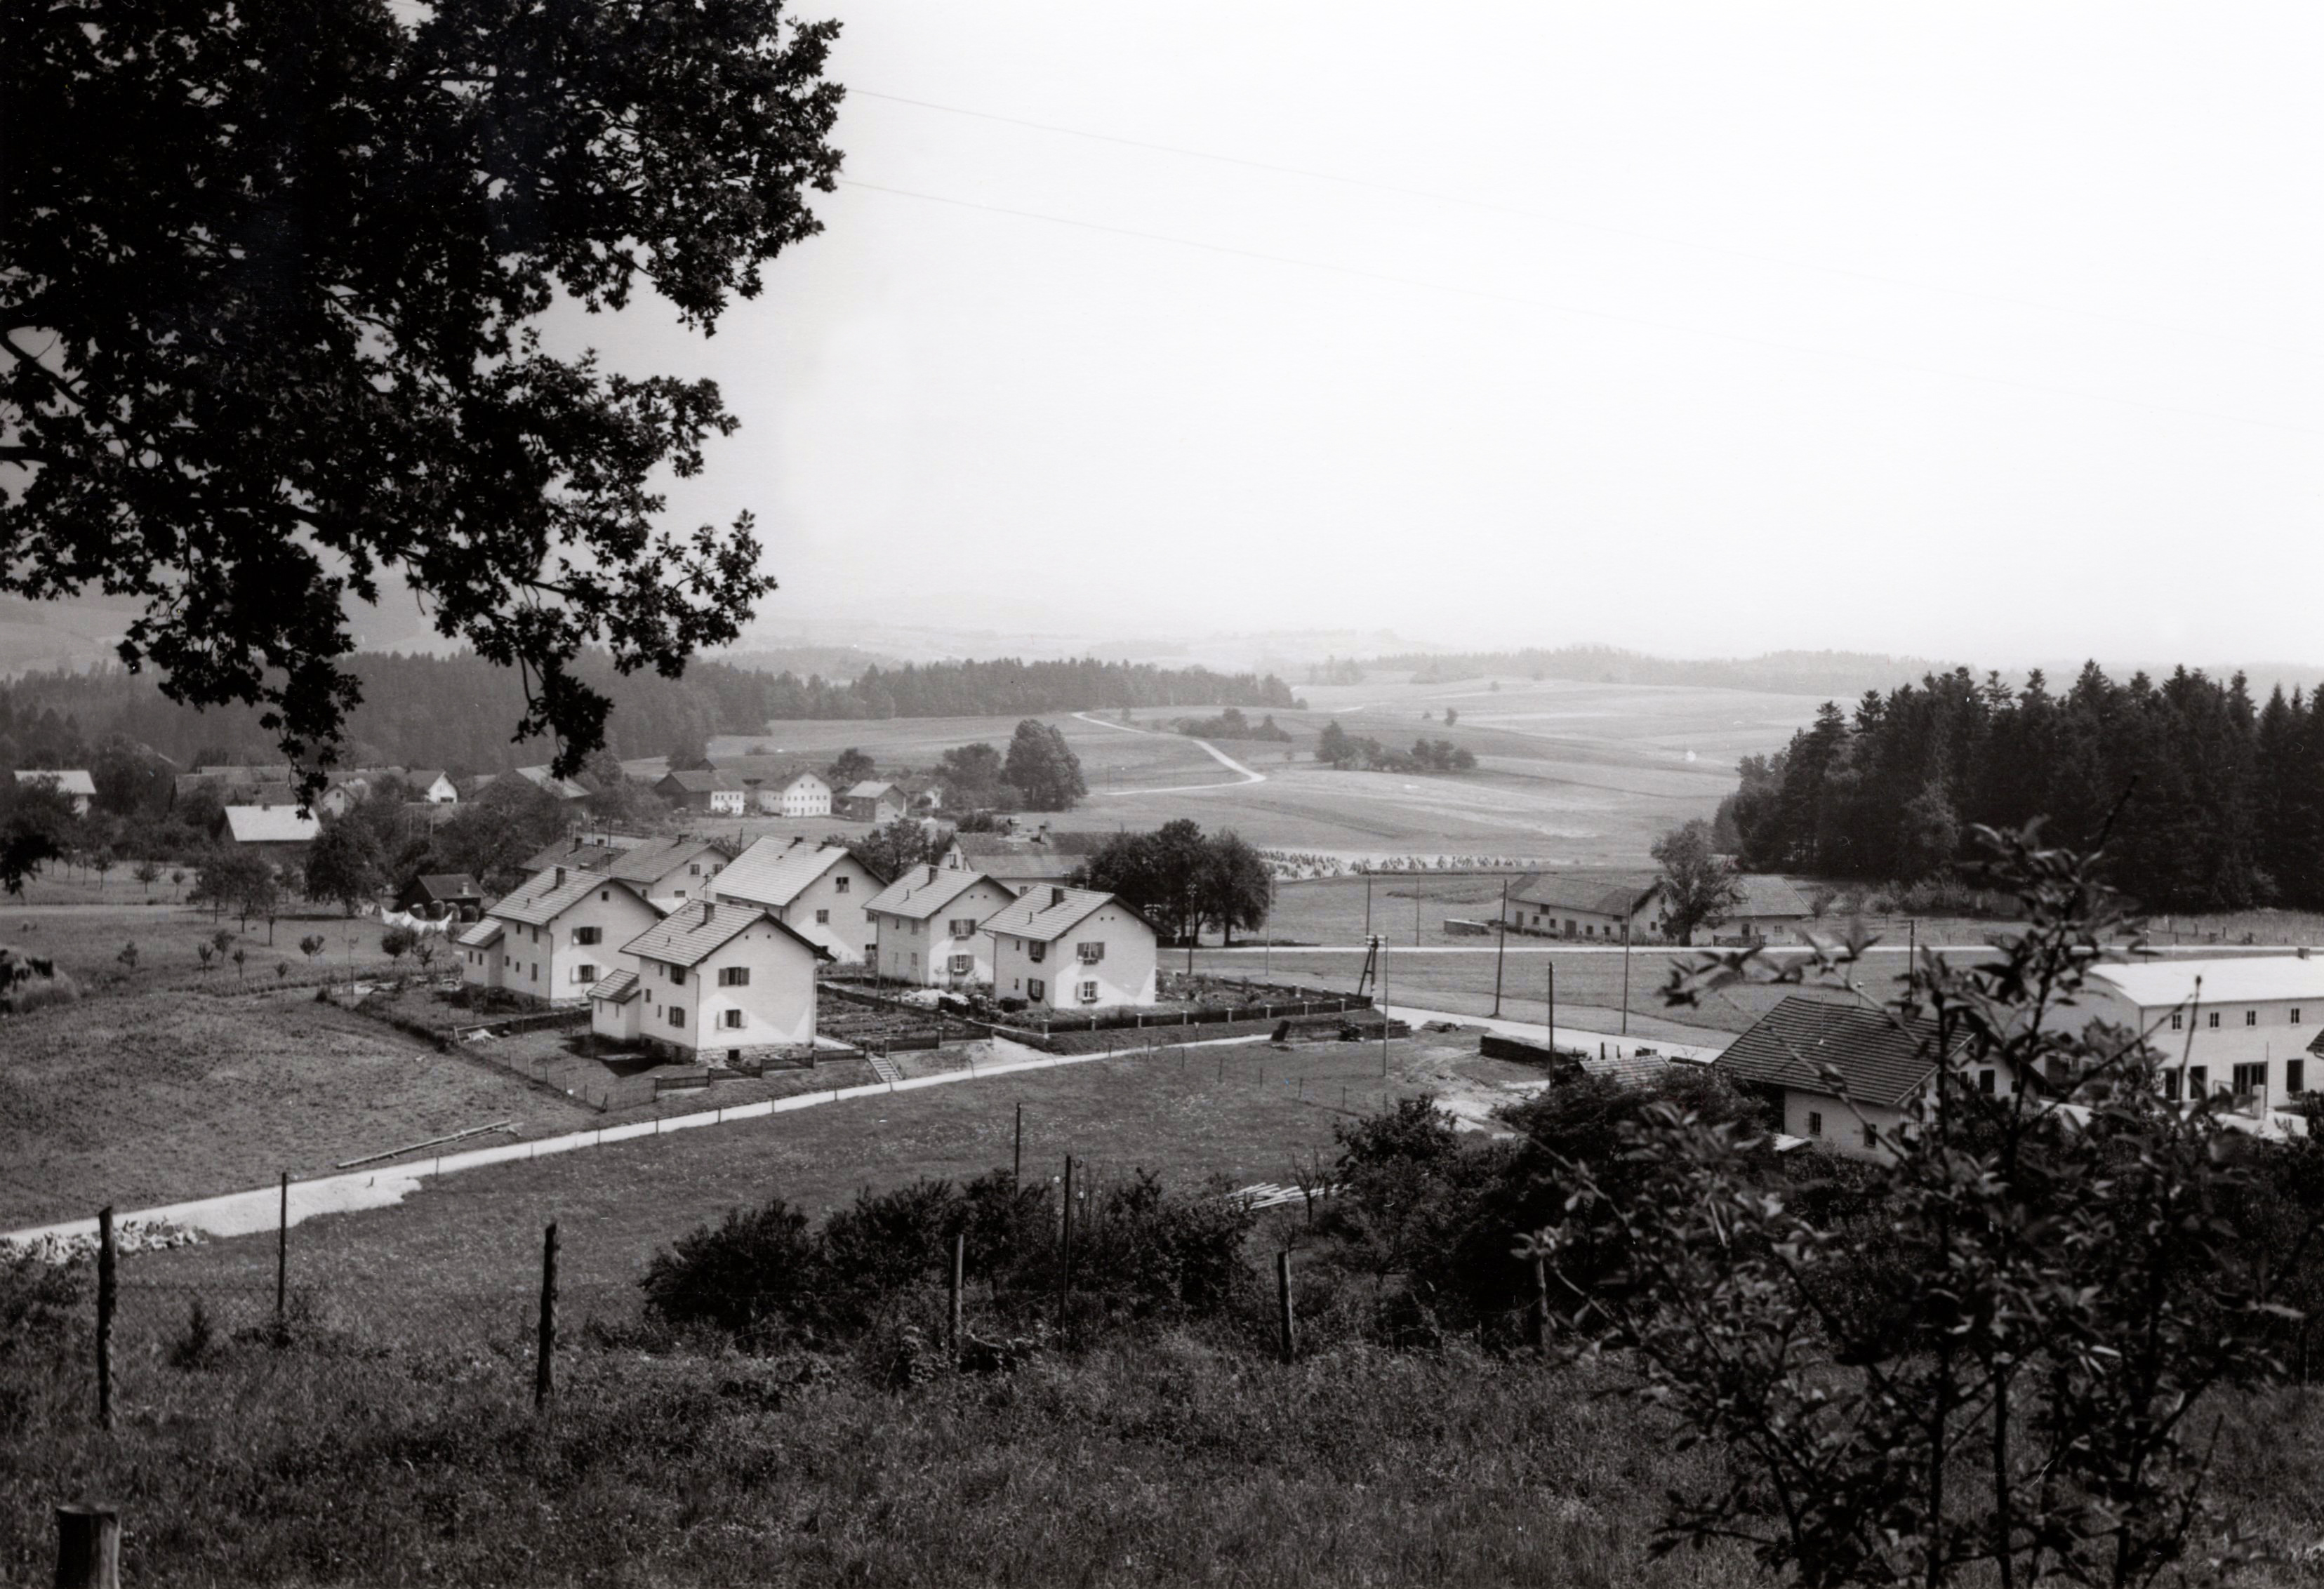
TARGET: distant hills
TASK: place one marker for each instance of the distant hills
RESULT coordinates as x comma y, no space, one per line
1787,672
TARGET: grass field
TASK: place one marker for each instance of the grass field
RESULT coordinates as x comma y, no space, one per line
87,940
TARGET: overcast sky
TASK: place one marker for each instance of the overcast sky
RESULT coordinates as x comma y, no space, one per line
1979,331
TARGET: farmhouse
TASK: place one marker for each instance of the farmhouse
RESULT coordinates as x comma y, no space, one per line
2246,1027
556,937
926,927
278,832
433,785
670,870
719,793
712,980
1841,1076
776,787
1592,904
873,800
577,788
442,896
1072,949
581,852
820,892
72,782
1770,908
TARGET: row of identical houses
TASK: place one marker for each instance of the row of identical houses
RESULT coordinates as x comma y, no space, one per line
1848,1077
692,946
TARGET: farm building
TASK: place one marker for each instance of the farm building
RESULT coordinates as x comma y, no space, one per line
1072,949
1024,861
273,784
556,937
719,793
1840,1076
927,927
582,851
278,832
579,787
72,782
433,785
711,980
1587,905
872,800
817,891
442,895
772,787
672,870
1770,908
2244,1026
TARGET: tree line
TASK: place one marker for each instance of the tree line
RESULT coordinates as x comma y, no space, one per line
2203,800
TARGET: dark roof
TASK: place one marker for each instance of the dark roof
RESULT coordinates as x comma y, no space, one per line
1877,1059
450,885
694,782
1601,893
582,854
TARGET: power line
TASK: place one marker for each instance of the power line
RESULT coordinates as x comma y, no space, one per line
1494,207
1611,317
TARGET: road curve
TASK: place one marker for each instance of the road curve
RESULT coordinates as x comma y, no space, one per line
1216,754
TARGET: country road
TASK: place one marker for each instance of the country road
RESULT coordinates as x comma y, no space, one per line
1216,754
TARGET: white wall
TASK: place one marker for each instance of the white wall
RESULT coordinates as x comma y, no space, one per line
921,952
1124,975
843,890
2269,1035
776,1007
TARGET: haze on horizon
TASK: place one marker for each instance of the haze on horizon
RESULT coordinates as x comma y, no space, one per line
1986,332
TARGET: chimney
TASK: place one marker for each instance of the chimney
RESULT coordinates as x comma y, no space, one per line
560,878
1056,896
932,875
709,908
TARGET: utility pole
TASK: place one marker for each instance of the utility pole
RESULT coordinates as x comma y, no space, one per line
1626,978
1367,904
1415,915
1501,953
1382,941
1552,1009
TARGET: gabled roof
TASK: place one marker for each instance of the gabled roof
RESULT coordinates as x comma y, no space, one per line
620,988
695,782
657,858
773,872
1048,914
575,854
542,900
924,890
976,845
450,885
1601,893
270,824
2245,979
484,935
1770,896
694,932
71,780
776,769
564,789
871,789
423,777
1878,1060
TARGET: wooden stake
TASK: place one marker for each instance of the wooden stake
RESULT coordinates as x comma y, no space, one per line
1540,1303
959,1272
283,1264
106,1258
1065,1245
1283,1302
1016,1164
544,1374
88,1548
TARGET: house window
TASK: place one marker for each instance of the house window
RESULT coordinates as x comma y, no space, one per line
962,964
823,918
1091,953
2171,1085
2212,1020
677,1015
2199,1080
588,935
1036,953
916,960
2250,1079
2295,1077
2176,1017
839,884
677,975
1871,1136
1089,992
2251,1017
1035,988
1985,1082
532,971
731,1018
965,927
2295,1015
604,895
695,870
733,976
586,974
1815,1124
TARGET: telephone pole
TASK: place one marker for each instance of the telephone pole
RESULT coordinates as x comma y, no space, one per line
1501,953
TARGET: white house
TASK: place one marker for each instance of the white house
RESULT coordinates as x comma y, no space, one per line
670,871
820,891
926,926
433,785
714,981
282,832
1072,949
72,782
2243,1025
1842,1075
1587,904
556,937
800,794
1769,907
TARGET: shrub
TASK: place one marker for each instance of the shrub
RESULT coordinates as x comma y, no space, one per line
39,1301
40,992
745,1276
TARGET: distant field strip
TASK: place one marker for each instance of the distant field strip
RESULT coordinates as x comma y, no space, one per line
1216,754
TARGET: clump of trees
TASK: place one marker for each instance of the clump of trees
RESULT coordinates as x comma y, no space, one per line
1343,749
1042,768
1231,724
1700,886
1183,880
2206,800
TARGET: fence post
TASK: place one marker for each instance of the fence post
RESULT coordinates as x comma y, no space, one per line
105,1285
959,1268
1016,1160
1283,1302
544,1374
88,1548
1065,1245
283,1264
1540,1303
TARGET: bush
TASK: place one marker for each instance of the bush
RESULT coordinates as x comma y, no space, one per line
745,1276
40,992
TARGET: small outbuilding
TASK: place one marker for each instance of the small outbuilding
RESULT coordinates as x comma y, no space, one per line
442,896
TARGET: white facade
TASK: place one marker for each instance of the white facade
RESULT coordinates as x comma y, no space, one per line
556,939
752,990
2248,1026
820,892
1086,958
803,795
936,940
728,802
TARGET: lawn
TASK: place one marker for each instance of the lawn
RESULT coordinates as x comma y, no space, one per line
87,940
